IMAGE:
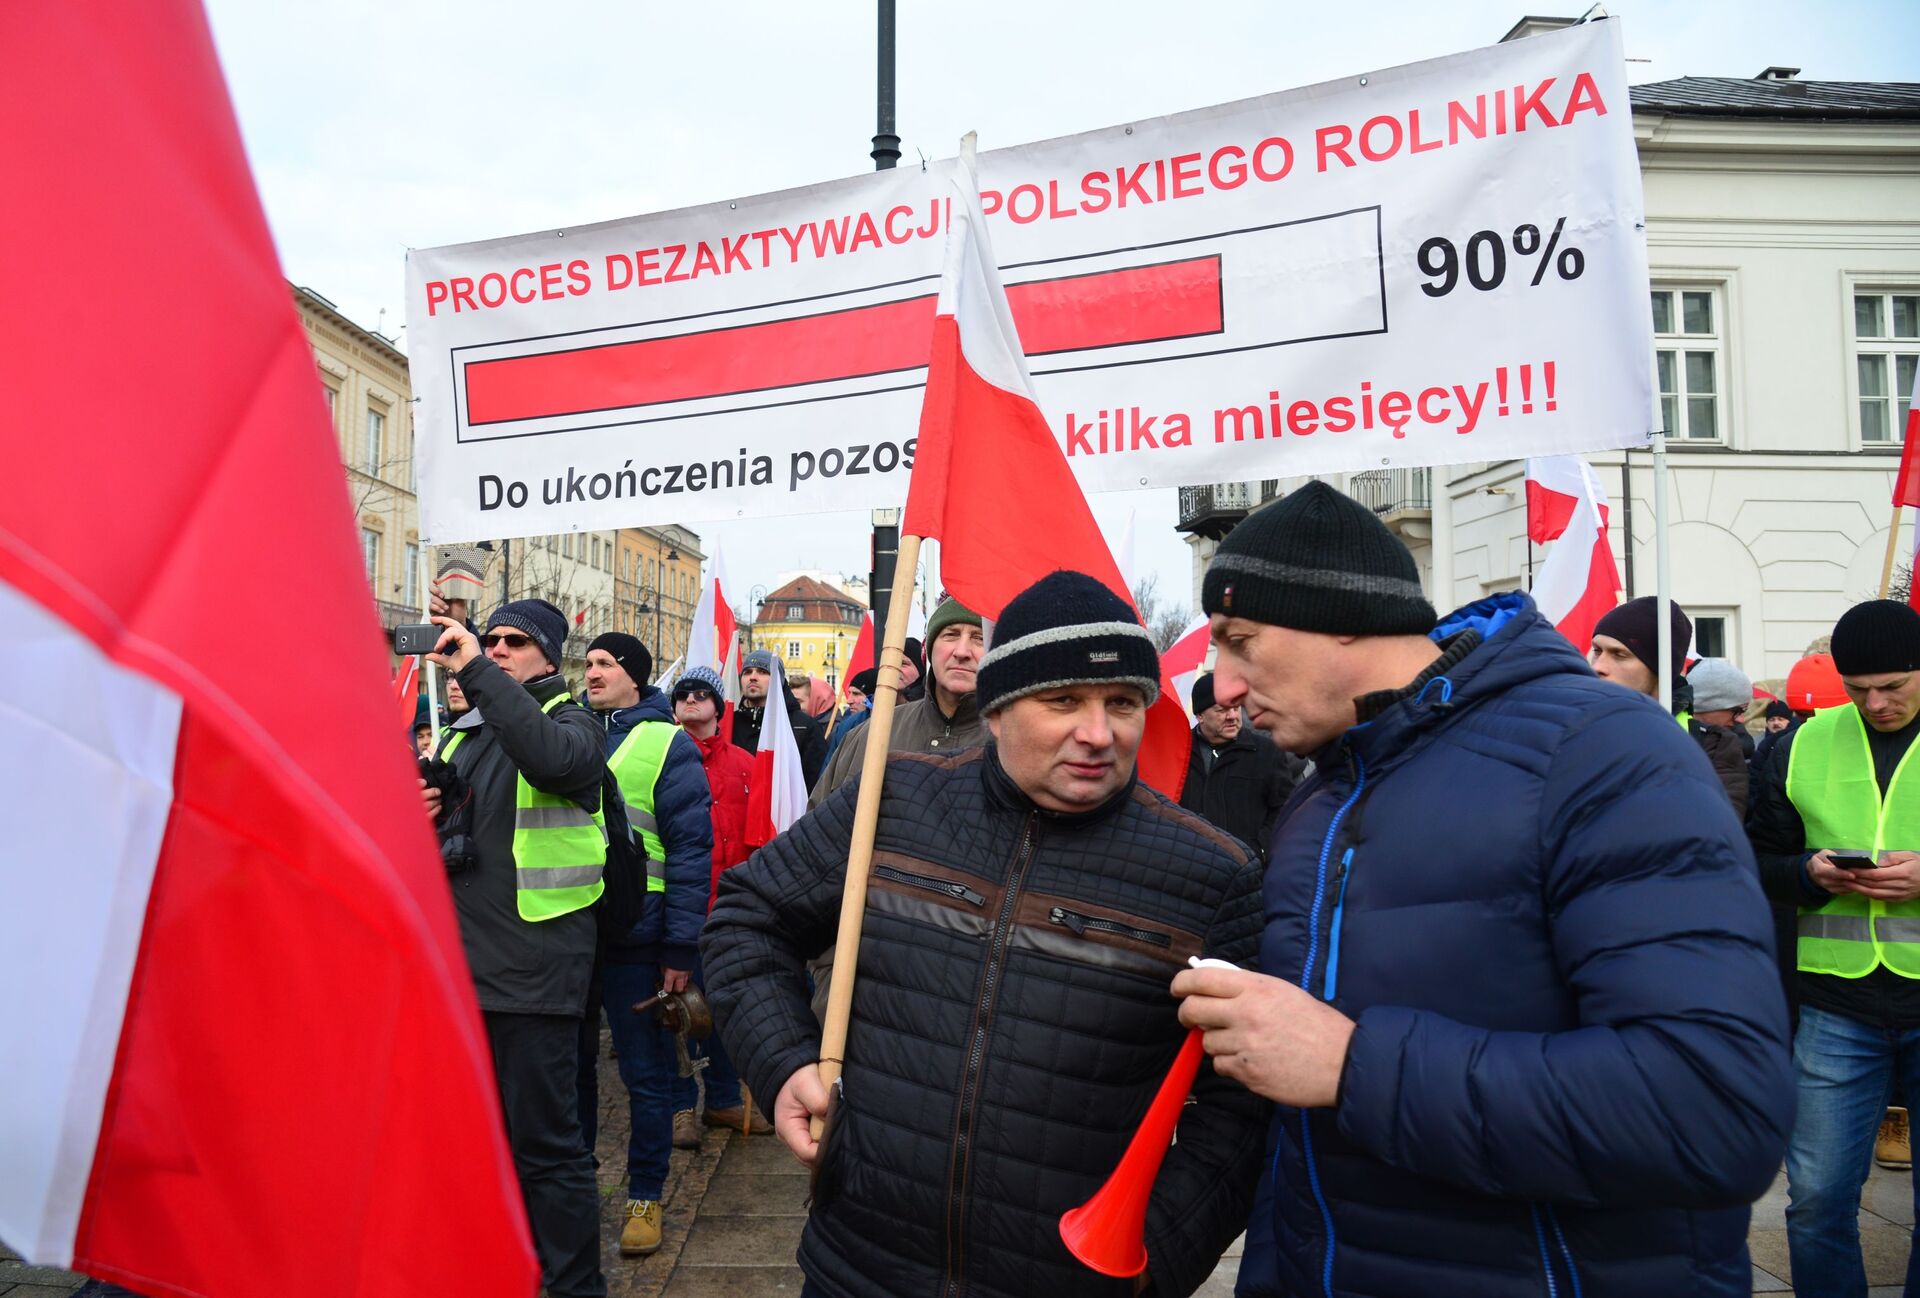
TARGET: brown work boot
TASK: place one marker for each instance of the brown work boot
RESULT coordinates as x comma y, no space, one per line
735,1119
641,1235
686,1130
1893,1150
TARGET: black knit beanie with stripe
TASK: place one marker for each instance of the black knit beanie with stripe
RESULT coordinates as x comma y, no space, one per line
1318,560
1066,629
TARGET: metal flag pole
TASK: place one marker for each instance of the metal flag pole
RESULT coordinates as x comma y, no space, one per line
1663,585
433,672
866,819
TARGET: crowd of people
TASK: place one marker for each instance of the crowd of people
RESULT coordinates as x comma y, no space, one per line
1503,1008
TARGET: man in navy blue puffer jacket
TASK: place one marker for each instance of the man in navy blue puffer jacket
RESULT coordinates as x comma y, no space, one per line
1517,1002
670,808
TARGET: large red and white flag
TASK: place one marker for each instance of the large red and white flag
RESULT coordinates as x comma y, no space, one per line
239,1049
714,641
1183,661
1906,485
1577,583
987,466
777,793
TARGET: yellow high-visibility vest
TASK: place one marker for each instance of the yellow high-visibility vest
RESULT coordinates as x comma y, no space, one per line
637,764
559,849
1830,782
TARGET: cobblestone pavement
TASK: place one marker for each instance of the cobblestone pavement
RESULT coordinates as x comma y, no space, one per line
734,1211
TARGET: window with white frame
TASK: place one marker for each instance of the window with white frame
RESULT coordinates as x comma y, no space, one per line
412,578
1886,334
596,552
370,550
793,651
376,433
333,395
1689,362
1712,633
796,612
566,546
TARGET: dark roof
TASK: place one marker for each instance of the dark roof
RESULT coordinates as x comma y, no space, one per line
817,601
1887,101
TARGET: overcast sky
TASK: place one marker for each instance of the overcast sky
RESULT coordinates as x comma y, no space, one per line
378,126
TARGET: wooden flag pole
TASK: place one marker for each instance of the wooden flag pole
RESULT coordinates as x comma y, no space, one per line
866,818
1893,541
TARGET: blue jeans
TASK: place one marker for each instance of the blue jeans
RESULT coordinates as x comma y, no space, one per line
1845,1072
648,1067
723,1080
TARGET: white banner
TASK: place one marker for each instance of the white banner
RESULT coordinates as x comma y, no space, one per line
1432,264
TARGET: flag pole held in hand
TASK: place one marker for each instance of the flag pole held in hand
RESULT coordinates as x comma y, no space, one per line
866,819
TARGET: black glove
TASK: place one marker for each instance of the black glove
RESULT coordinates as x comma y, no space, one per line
455,825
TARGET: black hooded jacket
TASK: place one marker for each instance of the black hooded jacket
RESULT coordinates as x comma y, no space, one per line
807,732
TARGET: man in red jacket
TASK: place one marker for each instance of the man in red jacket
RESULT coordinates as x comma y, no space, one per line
696,706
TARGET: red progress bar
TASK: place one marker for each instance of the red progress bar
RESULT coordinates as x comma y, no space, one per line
1175,299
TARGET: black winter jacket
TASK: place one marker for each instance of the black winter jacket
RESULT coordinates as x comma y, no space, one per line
1010,1024
520,967
806,732
1244,788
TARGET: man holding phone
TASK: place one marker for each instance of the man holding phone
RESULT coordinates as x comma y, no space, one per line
532,761
1835,826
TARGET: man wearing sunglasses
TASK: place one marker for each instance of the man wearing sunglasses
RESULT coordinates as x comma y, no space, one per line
532,761
697,701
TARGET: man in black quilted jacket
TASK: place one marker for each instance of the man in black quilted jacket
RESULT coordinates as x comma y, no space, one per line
1029,902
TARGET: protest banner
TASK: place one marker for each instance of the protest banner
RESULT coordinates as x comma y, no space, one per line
1437,263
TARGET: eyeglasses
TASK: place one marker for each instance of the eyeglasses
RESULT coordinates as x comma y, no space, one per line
510,639
693,696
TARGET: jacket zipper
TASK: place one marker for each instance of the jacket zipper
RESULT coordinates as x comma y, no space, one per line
1079,924
958,891
1359,770
1332,981
976,1057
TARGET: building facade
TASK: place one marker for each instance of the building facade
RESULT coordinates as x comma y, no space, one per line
364,381
656,586
810,626
1784,254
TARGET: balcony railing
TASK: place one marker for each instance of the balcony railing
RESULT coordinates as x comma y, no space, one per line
1392,491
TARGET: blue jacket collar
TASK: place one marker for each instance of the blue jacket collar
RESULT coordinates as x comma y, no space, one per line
1517,644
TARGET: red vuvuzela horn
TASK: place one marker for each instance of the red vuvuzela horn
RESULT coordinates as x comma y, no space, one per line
1109,1231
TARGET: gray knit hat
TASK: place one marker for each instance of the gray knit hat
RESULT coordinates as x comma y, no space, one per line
1066,629
760,660
1318,560
1718,684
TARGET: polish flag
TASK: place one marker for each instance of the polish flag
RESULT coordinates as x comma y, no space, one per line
988,465
1555,487
1182,664
239,1048
862,656
1578,583
777,793
1906,486
714,642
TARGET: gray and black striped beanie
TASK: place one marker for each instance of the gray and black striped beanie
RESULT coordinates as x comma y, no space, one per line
1066,629
1318,560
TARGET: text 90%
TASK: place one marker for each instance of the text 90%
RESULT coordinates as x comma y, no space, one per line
1485,261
